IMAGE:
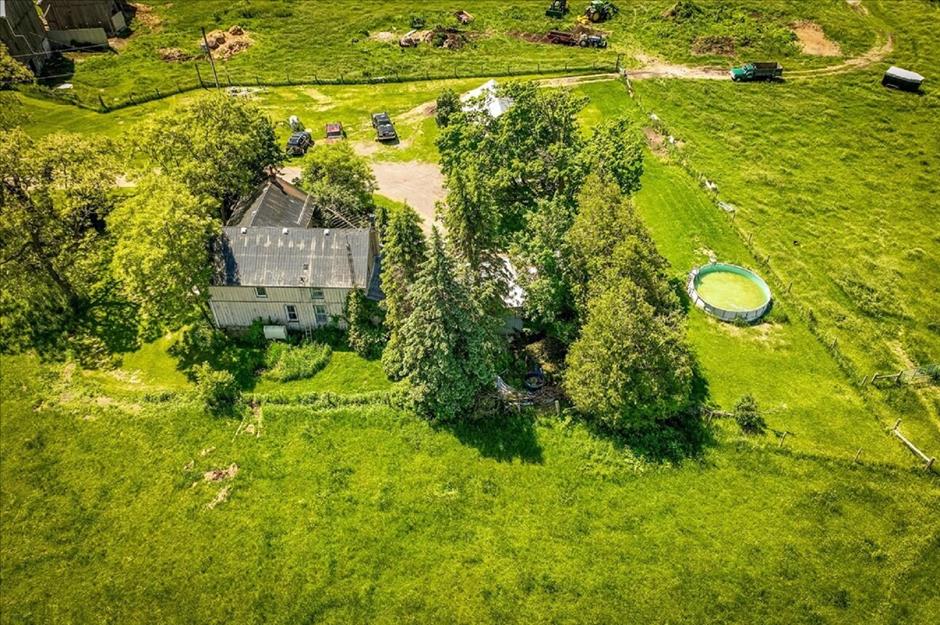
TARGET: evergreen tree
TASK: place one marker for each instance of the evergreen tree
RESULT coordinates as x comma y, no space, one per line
608,241
446,350
403,252
630,367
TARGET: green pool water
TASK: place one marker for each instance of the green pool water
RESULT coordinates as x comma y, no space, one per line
730,291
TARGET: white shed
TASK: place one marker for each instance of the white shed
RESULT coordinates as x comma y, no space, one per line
483,98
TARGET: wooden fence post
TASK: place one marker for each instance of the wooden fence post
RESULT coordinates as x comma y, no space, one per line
783,438
857,454
199,76
104,107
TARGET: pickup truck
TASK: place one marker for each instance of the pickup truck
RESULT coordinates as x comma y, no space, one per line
384,130
757,71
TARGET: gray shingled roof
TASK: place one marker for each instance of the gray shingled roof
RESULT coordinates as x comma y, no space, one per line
274,203
308,257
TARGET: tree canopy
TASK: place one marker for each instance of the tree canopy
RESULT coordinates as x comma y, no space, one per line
446,352
55,194
630,367
217,145
161,252
403,251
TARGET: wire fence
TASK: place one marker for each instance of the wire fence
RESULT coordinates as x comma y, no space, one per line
202,77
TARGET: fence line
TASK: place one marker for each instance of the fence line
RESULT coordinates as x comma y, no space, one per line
156,91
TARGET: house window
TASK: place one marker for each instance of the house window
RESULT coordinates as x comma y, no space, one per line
291,311
321,315
316,294
261,292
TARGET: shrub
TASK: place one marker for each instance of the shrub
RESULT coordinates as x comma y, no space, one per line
748,416
286,362
218,390
367,334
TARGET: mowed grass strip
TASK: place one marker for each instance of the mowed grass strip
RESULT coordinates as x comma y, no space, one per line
368,515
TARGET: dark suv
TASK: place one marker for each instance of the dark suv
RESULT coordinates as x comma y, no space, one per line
298,143
384,130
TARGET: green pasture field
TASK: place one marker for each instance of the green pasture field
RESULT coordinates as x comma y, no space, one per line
367,515
834,180
315,40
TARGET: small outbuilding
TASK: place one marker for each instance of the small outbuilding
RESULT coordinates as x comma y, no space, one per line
902,79
484,98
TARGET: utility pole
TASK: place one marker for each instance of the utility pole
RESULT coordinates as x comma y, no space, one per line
205,40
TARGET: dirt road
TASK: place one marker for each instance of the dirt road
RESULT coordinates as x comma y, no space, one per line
420,185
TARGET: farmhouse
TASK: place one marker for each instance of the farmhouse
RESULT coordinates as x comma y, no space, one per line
272,265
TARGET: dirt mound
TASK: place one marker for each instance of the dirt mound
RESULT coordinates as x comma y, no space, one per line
226,44
713,45
172,55
813,40
145,16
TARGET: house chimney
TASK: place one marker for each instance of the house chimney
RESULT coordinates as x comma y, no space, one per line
244,230
326,232
284,231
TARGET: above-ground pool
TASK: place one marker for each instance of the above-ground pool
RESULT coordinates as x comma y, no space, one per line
729,292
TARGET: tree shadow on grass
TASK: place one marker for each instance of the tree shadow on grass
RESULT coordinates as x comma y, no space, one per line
504,437
684,436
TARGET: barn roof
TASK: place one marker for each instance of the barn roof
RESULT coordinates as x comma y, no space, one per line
274,203
295,257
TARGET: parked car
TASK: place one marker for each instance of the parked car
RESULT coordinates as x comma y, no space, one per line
299,143
384,129
335,132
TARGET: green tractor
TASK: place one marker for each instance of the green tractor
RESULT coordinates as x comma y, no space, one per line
600,10
558,9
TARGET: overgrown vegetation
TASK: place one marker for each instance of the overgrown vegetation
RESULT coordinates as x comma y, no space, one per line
285,362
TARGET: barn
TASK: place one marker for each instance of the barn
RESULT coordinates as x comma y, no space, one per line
23,33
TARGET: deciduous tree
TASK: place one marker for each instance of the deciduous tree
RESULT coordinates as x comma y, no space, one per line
55,194
217,145
335,169
161,252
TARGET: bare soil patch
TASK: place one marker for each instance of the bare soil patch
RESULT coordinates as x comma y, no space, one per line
813,40
656,141
145,16
383,36
217,475
175,55
420,185
713,45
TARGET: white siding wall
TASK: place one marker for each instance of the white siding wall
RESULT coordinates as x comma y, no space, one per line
238,306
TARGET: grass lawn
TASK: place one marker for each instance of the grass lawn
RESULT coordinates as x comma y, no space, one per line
304,41
346,373
371,516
